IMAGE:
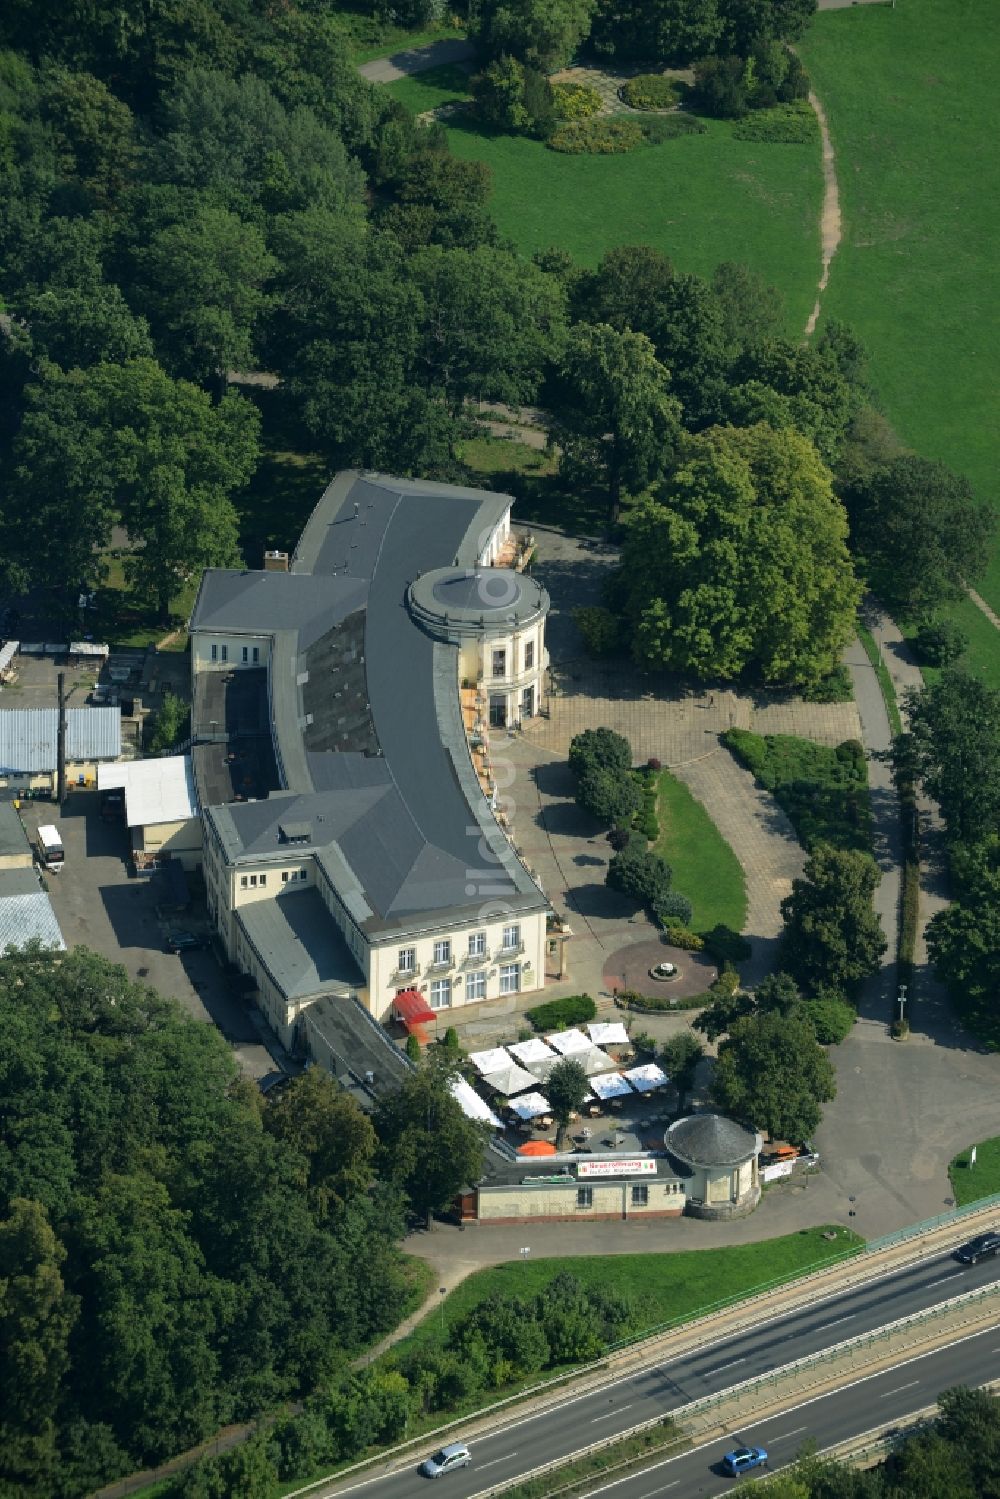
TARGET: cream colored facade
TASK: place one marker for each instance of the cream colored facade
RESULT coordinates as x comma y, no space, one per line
510,671
580,1201
456,966
182,840
213,651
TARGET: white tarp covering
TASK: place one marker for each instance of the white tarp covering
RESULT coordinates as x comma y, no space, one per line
646,1077
567,1042
534,1050
608,1033
489,1061
155,790
8,652
530,1105
593,1060
471,1104
609,1085
510,1079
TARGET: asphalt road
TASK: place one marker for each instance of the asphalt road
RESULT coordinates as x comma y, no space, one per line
530,1441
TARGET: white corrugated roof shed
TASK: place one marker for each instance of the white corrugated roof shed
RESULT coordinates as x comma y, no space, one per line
25,916
29,736
155,790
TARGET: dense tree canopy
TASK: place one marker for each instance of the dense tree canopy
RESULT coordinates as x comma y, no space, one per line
544,33
161,1268
832,935
773,1074
427,1146
952,747
739,563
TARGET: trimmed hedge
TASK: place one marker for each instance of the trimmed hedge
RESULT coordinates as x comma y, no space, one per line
675,934
660,128
792,124
560,1014
605,136
650,91
644,1004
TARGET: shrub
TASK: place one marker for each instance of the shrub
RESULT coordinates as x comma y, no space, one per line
831,1018
653,763
539,103
605,136
674,907
575,101
655,1004
600,629
786,124
560,1014
450,1041
675,934
750,749
721,87
650,91
660,128
835,687
940,642
498,93
412,1048
638,873
601,747
619,838
851,752
608,795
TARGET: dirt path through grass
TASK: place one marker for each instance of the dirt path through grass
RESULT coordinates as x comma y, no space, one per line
830,225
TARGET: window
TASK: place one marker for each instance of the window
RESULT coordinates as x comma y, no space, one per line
215,651
510,978
253,882
303,873
529,655
640,1196
284,876
407,959
477,944
441,994
527,702
263,879
225,653
500,663
585,1197
256,654
511,937
475,986
442,951
243,882
246,654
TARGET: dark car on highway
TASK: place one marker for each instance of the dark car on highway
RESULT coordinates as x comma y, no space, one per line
979,1248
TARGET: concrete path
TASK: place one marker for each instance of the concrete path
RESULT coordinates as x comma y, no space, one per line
417,60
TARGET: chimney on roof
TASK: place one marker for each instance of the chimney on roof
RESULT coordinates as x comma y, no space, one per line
276,562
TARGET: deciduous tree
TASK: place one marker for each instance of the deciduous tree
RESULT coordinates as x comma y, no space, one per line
426,1144
833,936
952,747
773,1074
565,1088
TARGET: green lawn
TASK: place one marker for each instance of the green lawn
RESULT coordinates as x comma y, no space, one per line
705,868
914,121
663,1288
701,199
825,796
436,86
980,1180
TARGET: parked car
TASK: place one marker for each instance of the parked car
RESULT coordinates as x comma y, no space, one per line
979,1248
184,942
449,1458
743,1459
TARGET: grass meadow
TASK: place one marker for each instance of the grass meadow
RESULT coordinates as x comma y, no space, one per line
914,120
705,868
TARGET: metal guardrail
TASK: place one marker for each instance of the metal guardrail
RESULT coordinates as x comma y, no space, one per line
981,1205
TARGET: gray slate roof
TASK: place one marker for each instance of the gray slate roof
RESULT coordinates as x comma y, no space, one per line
711,1140
29,737
383,779
13,838
299,944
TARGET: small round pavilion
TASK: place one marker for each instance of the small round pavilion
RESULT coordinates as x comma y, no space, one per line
718,1158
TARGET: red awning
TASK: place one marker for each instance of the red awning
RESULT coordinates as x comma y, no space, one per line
412,1009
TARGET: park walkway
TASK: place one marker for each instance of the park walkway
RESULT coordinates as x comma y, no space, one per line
412,60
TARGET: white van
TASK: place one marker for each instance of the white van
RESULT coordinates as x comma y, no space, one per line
50,847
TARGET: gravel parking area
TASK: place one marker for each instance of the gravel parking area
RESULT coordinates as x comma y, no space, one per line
100,904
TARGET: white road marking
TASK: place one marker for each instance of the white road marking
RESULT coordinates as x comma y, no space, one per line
940,1282
786,1434
731,1365
837,1321
608,1414
899,1389
664,1489
493,1462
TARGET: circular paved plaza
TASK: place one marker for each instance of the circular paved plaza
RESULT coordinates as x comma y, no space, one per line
628,968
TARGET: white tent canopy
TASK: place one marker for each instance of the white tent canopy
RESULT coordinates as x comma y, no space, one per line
530,1105
608,1033
609,1085
510,1079
534,1050
593,1060
471,1104
567,1042
489,1061
646,1077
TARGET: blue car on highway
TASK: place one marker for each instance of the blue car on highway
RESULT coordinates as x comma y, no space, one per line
743,1459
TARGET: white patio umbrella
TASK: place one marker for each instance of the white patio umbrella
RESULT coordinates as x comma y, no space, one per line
510,1079
534,1050
609,1085
593,1060
489,1061
646,1077
530,1105
567,1042
608,1033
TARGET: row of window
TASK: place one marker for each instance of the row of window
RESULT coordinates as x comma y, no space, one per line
475,986
406,958
640,1194
251,653
259,881
500,659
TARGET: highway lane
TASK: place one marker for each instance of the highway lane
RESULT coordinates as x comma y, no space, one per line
863,1406
526,1442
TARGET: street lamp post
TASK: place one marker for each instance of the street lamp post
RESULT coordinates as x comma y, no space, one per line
524,1253
901,1001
